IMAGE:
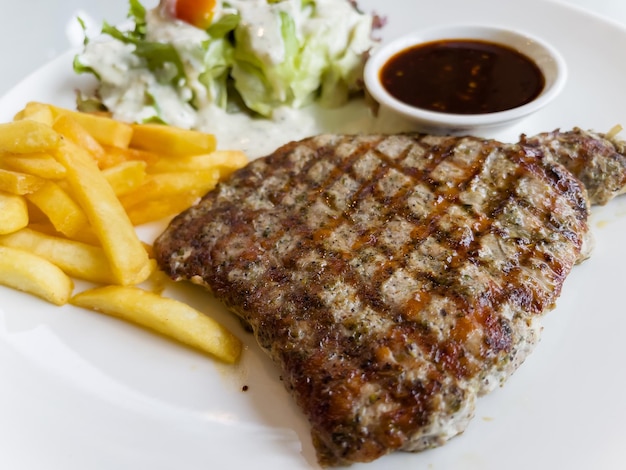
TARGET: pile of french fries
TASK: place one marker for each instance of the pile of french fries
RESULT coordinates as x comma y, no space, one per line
73,188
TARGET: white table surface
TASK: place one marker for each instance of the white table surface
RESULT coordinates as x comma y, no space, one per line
32,32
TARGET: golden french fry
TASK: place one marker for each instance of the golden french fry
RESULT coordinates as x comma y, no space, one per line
27,136
44,226
13,213
226,161
64,176
36,112
159,186
169,317
127,256
37,164
126,176
105,130
117,155
157,209
112,156
76,259
35,275
35,216
15,182
71,129
172,141
61,210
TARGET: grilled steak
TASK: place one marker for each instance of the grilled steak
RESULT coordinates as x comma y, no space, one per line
393,279
596,160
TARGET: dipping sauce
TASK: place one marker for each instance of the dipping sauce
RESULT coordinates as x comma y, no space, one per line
462,77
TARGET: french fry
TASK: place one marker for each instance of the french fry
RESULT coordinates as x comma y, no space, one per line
37,164
105,130
226,161
129,260
39,112
76,259
156,209
168,185
35,275
169,317
172,141
15,182
116,155
27,136
61,210
73,186
71,129
44,226
13,213
126,176
35,216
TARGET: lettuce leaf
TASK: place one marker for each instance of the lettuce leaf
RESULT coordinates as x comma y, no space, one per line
157,55
137,13
322,64
223,26
259,54
262,84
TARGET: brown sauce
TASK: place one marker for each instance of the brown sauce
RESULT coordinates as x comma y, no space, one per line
462,77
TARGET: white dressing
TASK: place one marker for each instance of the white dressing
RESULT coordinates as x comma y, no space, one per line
282,54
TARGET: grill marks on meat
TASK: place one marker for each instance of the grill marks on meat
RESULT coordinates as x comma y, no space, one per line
597,160
392,278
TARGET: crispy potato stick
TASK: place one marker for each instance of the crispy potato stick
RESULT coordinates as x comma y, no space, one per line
71,129
35,275
27,136
35,216
15,182
129,260
156,209
86,235
169,317
226,161
159,186
36,112
105,130
126,176
172,141
61,210
13,213
117,155
38,164
76,259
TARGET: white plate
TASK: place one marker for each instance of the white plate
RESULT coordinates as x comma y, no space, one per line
83,391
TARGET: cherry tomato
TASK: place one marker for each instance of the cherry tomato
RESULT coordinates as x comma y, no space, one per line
198,13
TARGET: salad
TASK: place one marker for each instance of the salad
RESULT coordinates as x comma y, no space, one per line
178,62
